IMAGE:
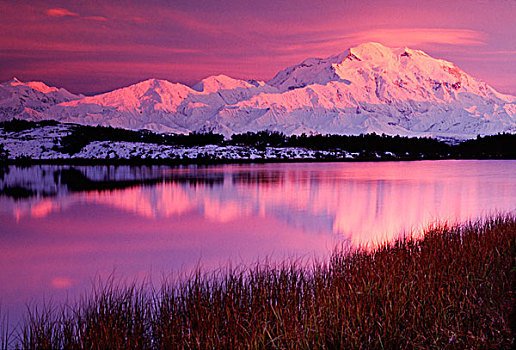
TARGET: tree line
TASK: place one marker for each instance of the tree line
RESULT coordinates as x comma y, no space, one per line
494,146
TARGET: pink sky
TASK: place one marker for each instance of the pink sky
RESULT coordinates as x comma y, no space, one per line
95,46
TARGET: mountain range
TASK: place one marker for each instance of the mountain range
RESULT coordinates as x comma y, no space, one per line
365,89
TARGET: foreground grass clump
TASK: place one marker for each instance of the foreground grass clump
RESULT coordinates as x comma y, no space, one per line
451,289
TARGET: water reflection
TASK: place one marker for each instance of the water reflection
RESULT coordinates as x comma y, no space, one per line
364,202
62,225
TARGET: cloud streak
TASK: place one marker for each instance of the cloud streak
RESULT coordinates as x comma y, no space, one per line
96,18
60,12
421,36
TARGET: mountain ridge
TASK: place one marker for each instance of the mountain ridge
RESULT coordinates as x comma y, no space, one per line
367,88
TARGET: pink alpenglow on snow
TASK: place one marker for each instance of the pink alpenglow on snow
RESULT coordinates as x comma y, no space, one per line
364,89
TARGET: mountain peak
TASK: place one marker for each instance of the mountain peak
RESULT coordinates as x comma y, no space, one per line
220,82
371,46
142,87
153,82
372,59
323,70
36,85
375,51
372,51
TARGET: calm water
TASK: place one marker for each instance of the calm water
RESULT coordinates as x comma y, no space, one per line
61,226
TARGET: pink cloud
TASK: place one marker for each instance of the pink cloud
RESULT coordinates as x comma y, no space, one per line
190,22
96,18
421,36
72,46
138,19
394,37
60,12
497,53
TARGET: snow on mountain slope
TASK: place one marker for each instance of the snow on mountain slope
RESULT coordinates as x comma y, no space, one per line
372,88
230,90
368,88
138,106
220,82
391,74
159,105
29,100
310,71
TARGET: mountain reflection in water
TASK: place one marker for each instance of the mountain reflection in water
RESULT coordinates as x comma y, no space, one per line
64,225
364,202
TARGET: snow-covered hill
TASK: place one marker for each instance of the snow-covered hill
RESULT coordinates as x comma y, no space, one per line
368,88
29,100
159,105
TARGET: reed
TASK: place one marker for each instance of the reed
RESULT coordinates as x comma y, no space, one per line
5,334
453,288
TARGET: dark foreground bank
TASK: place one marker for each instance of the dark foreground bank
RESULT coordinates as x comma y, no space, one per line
452,289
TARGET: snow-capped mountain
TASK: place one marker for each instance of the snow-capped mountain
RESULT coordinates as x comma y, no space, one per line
30,100
160,105
368,88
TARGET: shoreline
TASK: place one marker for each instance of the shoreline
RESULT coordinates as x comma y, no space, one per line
207,161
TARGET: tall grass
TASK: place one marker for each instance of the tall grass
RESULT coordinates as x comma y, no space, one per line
5,334
450,289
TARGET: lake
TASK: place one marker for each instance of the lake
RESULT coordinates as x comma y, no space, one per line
64,226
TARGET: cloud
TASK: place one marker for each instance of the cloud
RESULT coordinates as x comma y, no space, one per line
60,12
330,41
421,36
96,18
513,52
190,21
139,19
393,37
